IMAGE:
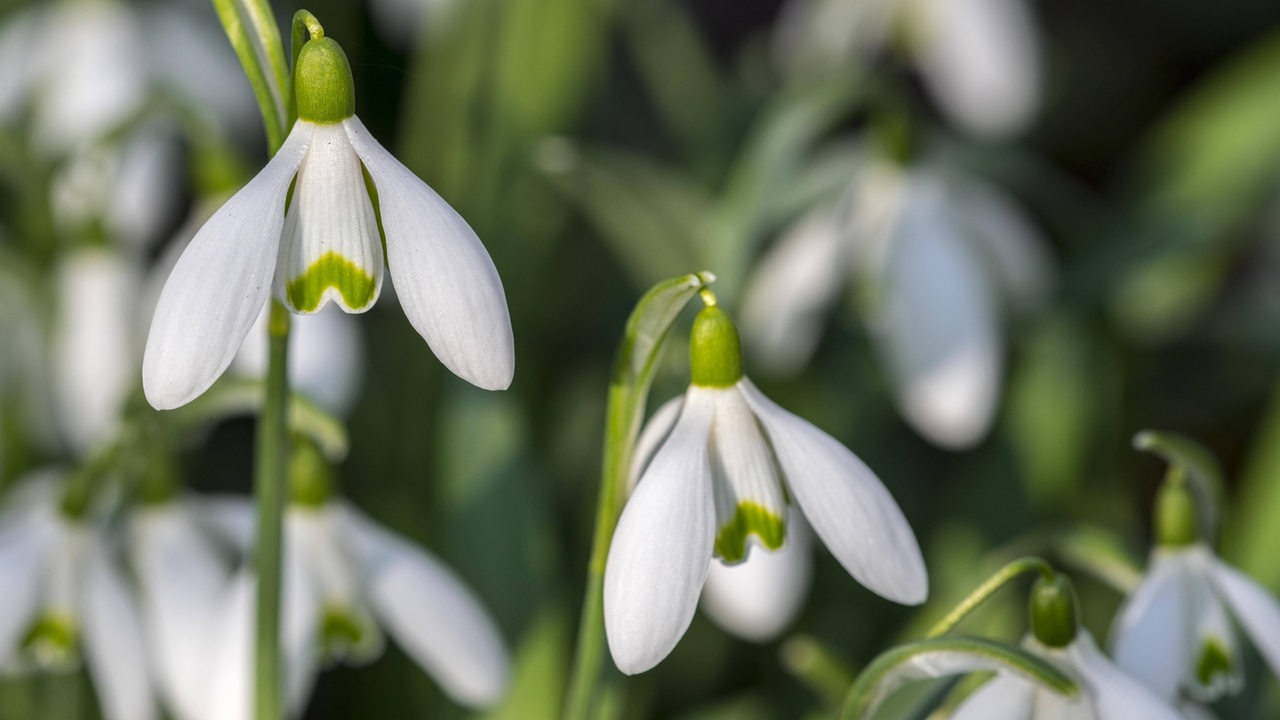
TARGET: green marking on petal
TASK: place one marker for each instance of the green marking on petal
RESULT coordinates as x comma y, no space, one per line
356,286
1214,661
52,640
345,635
749,519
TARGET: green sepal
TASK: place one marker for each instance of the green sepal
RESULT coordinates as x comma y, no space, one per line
322,84
52,640
1199,466
331,270
715,352
1053,611
749,519
1175,513
941,657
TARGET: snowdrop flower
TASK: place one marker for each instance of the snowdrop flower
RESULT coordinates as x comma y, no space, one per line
719,483
935,256
95,343
1106,692
64,597
182,581
328,248
1175,631
980,59
346,580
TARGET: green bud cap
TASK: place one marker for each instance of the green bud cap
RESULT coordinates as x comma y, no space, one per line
322,84
715,352
310,476
1053,611
1175,515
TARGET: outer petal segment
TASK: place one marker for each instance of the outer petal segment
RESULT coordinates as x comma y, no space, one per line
219,285
845,503
1150,635
1254,607
443,276
659,557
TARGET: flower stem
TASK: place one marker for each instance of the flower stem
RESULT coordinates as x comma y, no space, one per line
988,588
269,480
641,344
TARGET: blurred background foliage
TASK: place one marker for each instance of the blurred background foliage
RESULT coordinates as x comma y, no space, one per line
598,146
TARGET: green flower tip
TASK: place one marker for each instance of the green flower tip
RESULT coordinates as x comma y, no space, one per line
1053,611
1214,662
1175,514
310,476
715,352
749,519
323,88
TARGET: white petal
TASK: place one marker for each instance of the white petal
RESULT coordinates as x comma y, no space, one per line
759,599
444,278
847,505
23,548
433,616
182,581
300,619
230,673
1211,637
981,62
1004,697
751,508
938,324
1150,636
330,249
1012,246
147,187
1115,695
795,283
655,433
96,363
1255,609
219,285
231,519
658,559
114,647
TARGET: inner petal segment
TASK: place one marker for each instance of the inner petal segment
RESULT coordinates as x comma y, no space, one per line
750,503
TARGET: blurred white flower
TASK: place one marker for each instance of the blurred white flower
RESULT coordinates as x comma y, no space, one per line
326,356
1175,632
182,581
720,481
980,59
936,257
1106,692
96,348
346,579
328,248
65,598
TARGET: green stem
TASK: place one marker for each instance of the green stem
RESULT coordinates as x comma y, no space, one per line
262,57
269,481
988,588
619,436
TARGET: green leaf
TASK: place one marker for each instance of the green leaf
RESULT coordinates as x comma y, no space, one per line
1252,537
944,657
649,215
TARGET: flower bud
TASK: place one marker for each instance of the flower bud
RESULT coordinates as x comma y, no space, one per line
1175,514
1053,611
323,88
310,476
715,352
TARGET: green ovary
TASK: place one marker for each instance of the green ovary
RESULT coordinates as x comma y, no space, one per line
1214,661
356,286
749,519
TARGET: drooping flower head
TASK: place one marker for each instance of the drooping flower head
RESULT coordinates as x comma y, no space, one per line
720,484
1106,692
1176,631
310,227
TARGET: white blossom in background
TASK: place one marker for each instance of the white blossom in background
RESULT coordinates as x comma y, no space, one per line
96,343
938,261
725,470
328,248
1176,634
183,580
347,580
1105,691
980,59
65,599
326,357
